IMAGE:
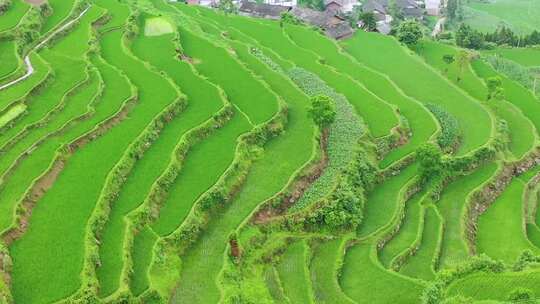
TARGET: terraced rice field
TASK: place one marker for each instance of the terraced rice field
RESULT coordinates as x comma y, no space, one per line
158,152
520,15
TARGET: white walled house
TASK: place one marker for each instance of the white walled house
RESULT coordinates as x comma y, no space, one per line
433,7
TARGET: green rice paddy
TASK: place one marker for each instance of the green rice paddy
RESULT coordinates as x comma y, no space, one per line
163,153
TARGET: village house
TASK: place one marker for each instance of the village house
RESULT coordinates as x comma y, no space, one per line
380,8
262,10
330,21
340,6
434,7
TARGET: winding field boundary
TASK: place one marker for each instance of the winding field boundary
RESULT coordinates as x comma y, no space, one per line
29,68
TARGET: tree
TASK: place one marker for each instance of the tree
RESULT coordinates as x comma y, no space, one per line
462,60
227,6
495,89
396,13
468,38
521,295
409,32
287,17
448,59
370,23
451,9
322,110
430,159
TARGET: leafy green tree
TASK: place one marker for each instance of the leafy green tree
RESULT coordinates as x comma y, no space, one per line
409,32
287,17
521,295
451,9
396,13
227,6
469,38
430,158
495,89
448,59
462,59
322,110
4,6
313,4
370,23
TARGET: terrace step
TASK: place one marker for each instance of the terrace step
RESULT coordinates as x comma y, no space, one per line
364,280
426,249
324,266
204,100
384,201
294,274
491,230
452,204
407,233
435,89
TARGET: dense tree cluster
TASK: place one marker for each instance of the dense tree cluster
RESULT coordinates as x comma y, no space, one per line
409,32
470,38
4,6
322,110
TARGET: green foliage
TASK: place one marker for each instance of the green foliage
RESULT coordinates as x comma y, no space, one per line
495,89
288,18
469,38
449,59
368,18
521,295
322,110
4,6
313,4
527,77
409,32
347,129
452,8
430,158
450,132
227,6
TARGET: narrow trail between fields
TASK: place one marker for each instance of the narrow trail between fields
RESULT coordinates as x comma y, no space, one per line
439,27
29,68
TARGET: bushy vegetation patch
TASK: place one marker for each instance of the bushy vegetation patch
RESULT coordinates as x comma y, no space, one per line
345,130
524,76
450,135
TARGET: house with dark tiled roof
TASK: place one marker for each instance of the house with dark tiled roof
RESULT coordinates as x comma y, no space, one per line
262,10
410,8
329,21
381,9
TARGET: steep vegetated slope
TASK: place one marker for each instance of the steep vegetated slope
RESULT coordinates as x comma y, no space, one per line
159,152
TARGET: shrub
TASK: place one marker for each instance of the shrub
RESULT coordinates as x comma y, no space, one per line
322,110
430,158
521,295
409,32
287,17
495,90
450,132
4,6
